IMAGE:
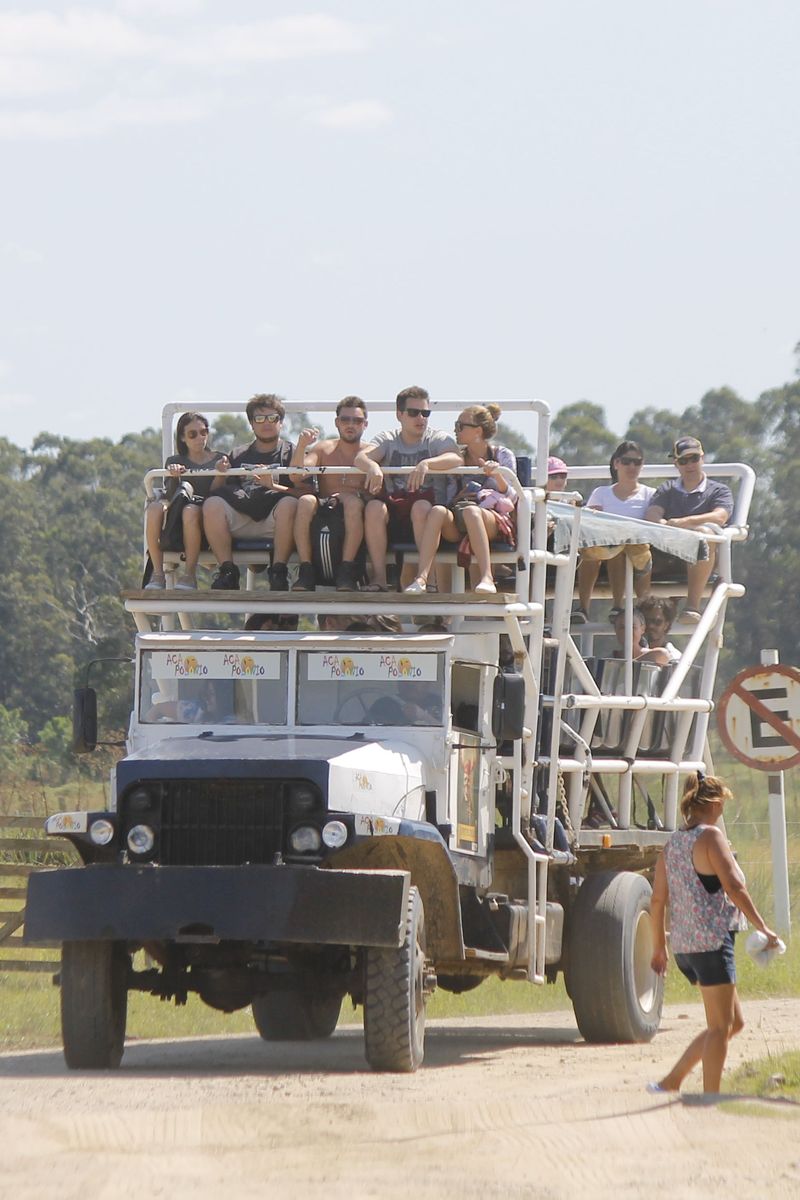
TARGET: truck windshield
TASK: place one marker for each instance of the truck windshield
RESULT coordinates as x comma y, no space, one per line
376,688
215,687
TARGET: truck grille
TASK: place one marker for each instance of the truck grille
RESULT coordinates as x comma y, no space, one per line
220,822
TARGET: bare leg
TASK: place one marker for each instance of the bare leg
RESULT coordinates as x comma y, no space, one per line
420,511
720,1005
697,575
353,525
304,514
284,512
616,578
588,570
376,520
475,523
429,541
215,524
724,1020
154,519
192,536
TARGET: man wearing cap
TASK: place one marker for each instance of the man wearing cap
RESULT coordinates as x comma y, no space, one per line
692,502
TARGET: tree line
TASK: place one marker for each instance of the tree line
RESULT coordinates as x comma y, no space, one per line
71,540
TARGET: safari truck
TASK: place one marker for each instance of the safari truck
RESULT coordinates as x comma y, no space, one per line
305,816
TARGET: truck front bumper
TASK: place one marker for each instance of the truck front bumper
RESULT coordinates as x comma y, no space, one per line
281,904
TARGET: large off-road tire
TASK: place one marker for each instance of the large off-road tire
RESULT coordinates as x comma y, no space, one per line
395,997
615,994
296,1015
94,1004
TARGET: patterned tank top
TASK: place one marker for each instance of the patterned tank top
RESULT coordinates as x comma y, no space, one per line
699,920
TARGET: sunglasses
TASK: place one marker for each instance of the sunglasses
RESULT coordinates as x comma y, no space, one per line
419,412
194,433
628,460
685,459
351,420
466,425
260,418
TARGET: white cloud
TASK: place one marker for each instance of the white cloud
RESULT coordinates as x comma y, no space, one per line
121,63
267,329
356,114
21,254
111,112
160,8
282,39
79,31
24,76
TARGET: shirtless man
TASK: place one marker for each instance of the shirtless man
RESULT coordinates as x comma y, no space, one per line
351,421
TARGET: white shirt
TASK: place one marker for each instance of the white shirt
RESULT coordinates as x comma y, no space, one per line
635,505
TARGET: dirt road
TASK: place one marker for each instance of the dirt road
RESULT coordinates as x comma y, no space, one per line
504,1107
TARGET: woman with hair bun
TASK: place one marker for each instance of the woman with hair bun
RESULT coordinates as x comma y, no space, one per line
482,511
701,881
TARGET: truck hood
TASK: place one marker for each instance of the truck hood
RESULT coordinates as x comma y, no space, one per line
355,773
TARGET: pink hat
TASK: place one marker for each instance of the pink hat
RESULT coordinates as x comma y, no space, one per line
556,466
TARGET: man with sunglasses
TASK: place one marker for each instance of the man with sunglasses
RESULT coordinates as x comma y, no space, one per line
402,503
692,502
261,506
339,494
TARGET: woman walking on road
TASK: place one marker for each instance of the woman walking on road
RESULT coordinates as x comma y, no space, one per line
701,881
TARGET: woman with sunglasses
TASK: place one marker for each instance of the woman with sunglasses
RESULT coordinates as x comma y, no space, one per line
625,496
482,511
193,454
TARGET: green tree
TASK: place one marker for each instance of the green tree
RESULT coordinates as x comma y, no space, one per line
580,436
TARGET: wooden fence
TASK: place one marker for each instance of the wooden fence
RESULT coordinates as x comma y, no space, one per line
25,848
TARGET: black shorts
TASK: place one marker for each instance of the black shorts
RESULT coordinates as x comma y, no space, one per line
710,967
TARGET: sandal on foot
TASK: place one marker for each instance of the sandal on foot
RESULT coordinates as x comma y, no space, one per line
377,587
417,588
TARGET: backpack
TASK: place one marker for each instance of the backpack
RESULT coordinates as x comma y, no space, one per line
171,537
327,541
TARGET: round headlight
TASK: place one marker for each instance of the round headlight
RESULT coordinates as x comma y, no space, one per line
141,839
305,839
334,834
101,832
302,799
139,801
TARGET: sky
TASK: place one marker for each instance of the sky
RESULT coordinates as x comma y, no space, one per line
568,200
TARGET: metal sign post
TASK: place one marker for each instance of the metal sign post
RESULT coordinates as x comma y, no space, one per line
759,720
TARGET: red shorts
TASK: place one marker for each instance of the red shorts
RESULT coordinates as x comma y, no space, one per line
399,506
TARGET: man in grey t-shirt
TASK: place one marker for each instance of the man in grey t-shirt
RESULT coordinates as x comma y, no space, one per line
402,502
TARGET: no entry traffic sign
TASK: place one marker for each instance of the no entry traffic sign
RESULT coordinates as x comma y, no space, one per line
759,717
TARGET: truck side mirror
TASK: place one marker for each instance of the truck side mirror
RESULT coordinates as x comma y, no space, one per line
84,720
508,707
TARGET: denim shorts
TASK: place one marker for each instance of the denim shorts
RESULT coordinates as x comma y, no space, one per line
710,967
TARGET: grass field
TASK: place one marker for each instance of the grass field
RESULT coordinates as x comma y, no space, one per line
29,1003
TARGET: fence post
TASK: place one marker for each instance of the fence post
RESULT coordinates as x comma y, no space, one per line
777,833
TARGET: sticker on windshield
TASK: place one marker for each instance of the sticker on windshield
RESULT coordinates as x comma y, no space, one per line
399,668
216,664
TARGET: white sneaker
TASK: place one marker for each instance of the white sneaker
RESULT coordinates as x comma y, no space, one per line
485,588
186,583
157,583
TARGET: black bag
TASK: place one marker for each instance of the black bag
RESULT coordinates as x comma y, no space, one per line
171,537
249,498
327,541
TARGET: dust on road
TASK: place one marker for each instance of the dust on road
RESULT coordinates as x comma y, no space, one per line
504,1107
